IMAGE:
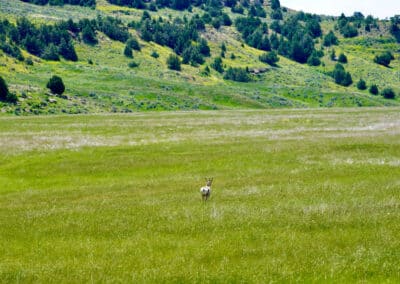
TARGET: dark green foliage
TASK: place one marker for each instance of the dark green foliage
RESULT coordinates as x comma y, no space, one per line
133,64
237,74
3,89
332,56
192,55
395,27
173,62
233,56
276,26
177,35
374,89
302,47
204,49
67,50
217,65
314,60
342,58
275,4
51,53
277,14
330,39
88,33
274,40
113,28
388,93
138,4
133,43
346,27
341,76
361,85
29,61
87,3
384,58
128,51
11,50
314,28
270,58
238,9
154,54
56,85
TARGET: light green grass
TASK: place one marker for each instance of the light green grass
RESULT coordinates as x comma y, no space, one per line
298,196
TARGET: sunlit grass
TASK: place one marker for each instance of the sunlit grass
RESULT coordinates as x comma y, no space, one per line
298,196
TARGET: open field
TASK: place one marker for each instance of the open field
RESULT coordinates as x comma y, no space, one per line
298,196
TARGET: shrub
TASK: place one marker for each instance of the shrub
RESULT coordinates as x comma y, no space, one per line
361,85
154,54
3,90
173,62
330,39
56,85
384,58
342,58
133,64
270,58
133,43
374,89
341,76
237,74
217,65
128,51
388,93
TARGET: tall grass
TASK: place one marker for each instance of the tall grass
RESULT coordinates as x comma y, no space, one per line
298,196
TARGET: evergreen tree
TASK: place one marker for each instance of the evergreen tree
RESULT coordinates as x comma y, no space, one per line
217,65
388,93
275,4
384,58
173,62
67,50
361,85
374,89
56,85
128,51
3,89
342,58
270,58
330,39
51,53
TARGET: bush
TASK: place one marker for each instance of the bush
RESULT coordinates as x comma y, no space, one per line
133,64
270,58
128,51
237,74
173,62
330,39
342,58
154,54
3,90
374,89
388,93
384,58
56,85
361,85
341,76
217,65
133,43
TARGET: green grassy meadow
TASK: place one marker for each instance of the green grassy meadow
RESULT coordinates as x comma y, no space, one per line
298,196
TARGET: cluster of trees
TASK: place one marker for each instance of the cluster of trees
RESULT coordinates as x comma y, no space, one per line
387,93
341,76
237,74
51,42
395,27
254,32
349,26
86,3
180,35
46,41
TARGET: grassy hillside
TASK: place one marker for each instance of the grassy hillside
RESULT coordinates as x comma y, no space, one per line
298,196
109,85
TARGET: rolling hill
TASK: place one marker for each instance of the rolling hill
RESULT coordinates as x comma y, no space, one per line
103,80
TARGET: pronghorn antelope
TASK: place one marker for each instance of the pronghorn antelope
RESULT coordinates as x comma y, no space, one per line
206,190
